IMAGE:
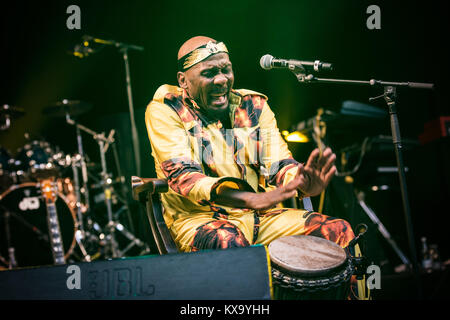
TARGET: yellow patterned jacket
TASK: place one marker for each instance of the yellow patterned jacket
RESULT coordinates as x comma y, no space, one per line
198,156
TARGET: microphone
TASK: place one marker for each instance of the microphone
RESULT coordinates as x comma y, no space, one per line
268,62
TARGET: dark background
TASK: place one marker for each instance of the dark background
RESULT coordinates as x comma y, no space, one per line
37,70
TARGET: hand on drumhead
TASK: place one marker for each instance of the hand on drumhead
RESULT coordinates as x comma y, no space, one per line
316,174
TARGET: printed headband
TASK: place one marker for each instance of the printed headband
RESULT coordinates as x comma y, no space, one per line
199,54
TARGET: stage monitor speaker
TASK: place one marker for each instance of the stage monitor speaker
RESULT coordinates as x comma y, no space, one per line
231,274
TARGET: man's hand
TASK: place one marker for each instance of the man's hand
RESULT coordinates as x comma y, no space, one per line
311,179
317,173
267,200
256,201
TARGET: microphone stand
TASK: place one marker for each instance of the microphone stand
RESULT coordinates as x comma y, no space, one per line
134,134
389,95
123,48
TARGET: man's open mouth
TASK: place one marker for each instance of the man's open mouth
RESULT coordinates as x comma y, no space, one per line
219,98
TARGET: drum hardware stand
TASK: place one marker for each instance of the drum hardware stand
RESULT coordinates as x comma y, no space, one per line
82,160
389,95
84,174
122,195
55,239
371,214
39,233
112,226
81,233
11,254
99,184
111,244
369,211
76,182
124,190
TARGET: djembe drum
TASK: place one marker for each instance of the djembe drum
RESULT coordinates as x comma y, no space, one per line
309,268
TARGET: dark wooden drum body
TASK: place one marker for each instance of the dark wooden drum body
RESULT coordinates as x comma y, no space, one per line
309,268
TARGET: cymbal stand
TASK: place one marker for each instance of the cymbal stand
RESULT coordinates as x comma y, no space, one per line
76,182
84,174
80,161
80,234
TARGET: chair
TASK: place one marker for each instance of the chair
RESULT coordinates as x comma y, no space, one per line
147,191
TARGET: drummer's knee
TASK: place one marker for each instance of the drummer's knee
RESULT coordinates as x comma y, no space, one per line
344,232
218,234
334,229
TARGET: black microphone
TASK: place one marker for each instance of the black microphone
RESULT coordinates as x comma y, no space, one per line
268,62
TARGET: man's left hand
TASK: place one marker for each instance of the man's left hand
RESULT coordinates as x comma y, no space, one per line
314,176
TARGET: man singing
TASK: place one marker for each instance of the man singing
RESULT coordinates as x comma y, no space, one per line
227,166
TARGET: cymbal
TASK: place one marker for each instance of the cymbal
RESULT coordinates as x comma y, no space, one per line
64,107
11,111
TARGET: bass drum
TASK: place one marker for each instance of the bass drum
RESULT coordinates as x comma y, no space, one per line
27,222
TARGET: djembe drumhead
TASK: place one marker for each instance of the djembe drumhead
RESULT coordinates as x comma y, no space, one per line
308,267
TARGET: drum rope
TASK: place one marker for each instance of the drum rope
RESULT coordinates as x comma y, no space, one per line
312,285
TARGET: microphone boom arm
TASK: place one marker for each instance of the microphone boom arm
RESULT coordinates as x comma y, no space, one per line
303,77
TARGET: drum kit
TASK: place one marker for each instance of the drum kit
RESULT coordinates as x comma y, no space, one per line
46,214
